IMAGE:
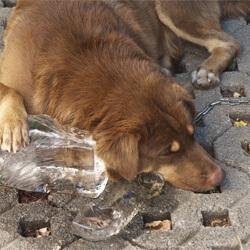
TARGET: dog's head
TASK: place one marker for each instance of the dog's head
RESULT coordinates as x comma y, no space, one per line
156,135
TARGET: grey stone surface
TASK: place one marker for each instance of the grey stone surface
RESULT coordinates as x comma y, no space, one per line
35,215
9,3
243,35
113,243
243,62
4,14
233,25
214,125
8,198
186,209
59,200
235,82
228,148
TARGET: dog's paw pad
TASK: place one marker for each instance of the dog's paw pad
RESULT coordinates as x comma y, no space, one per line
13,135
203,78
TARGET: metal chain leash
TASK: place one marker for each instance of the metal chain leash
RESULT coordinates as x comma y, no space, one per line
222,101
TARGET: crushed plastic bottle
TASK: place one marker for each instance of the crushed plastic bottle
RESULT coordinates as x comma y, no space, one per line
99,223
57,159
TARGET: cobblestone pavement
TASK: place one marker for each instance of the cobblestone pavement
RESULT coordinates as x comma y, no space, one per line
190,213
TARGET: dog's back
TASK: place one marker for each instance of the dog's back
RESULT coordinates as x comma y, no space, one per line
62,28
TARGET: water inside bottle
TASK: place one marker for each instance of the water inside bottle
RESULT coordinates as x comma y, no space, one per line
57,159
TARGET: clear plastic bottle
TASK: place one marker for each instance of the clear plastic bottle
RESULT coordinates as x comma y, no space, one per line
97,223
57,159
113,214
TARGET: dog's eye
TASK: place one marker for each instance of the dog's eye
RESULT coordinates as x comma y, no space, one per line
171,148
175,146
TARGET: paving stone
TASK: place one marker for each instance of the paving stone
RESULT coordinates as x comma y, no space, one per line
36,216
233,25
187,217
214,124
114,244
228,148
9,3
225,239
4,14
235,82
203,98
244,61
1,35
243,36
8,198
61,228
184,79
6,236
22,244
59,200
14,220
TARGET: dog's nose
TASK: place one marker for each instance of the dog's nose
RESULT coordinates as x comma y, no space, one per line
216,178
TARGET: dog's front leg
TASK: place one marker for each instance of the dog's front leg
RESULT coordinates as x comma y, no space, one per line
13,120
223,49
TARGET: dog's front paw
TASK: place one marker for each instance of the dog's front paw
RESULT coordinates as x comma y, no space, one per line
204,79
14,132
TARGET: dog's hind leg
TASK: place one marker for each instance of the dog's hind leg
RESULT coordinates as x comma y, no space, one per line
13,120
199,23
173,51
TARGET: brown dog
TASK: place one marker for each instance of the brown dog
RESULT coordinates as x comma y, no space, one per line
93,65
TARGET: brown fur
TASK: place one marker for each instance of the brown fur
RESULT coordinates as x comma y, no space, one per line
94,65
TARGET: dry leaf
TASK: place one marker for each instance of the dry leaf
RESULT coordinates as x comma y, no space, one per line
164,225
236,95
153,224
240,123
42,232
219,222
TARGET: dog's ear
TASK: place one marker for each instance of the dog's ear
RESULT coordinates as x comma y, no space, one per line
121,156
